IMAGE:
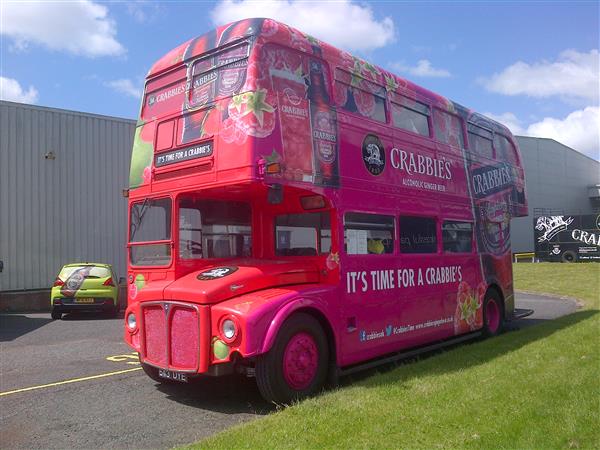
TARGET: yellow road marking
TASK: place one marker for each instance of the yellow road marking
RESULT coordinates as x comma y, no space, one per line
74,380
124,358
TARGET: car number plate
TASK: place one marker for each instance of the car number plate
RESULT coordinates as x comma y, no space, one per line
175,376
84,300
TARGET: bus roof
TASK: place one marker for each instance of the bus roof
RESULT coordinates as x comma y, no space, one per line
262,27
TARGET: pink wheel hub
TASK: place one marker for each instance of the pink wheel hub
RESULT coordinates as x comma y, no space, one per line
492,314
300,361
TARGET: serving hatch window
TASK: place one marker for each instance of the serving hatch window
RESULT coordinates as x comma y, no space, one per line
368,233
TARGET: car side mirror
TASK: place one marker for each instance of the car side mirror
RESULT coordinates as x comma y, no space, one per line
121,280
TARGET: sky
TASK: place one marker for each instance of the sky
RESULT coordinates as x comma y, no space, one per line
534,66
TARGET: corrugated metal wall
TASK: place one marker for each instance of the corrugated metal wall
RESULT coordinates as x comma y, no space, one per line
62,210
557,179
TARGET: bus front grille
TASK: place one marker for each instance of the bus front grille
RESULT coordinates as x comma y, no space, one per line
171,335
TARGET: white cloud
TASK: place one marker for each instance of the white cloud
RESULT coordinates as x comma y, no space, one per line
343,23
579,130
81,28
11,90
422,69
509,120
573,74
142,11
125,86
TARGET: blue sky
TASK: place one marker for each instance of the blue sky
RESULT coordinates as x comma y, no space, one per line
532,65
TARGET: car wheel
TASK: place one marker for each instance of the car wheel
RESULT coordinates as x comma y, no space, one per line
297,364
568,257
56,315
493,314
116,310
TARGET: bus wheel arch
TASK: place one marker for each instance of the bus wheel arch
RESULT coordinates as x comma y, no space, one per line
297,364
493,311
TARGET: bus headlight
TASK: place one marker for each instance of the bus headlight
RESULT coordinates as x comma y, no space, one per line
229,330
131,322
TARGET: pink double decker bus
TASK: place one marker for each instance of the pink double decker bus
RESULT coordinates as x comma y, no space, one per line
297,214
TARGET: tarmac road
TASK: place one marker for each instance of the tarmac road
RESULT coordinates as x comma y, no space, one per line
90,392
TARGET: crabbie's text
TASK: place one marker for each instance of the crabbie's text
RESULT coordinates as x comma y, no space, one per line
381,280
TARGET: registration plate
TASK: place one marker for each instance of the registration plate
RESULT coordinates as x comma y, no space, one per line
175,376
84,300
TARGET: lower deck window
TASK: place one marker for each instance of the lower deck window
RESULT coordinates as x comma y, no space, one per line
418,235
305,234
457,237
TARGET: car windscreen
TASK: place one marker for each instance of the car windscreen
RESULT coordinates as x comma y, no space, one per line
94,271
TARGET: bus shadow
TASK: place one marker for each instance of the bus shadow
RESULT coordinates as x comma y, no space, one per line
234,394
518,334
13,326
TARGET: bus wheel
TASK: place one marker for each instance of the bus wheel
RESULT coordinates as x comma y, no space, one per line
493,314
568,256
297,364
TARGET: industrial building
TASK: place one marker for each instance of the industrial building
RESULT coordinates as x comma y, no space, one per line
61,179
62,174
559,180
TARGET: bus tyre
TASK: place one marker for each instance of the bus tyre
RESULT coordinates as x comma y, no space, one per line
297,364
493,314
568,256
56,315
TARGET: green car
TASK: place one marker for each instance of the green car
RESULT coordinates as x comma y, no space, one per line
85,287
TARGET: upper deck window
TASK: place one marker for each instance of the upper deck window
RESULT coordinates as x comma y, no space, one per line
165,94
505,150
219,75
410,114
480,141
448,128
360,96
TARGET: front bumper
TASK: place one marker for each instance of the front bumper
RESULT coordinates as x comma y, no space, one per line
70,304
171,335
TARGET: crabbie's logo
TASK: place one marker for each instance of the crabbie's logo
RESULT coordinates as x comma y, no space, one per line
217,272
551,226
373,154
491,179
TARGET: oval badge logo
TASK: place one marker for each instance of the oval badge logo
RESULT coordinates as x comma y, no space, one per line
217,272
373,154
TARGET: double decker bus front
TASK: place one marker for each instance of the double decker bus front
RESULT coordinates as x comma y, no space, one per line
223,236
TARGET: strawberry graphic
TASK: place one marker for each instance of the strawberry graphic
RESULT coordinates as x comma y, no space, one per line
365,102
332,261
469,314
252,112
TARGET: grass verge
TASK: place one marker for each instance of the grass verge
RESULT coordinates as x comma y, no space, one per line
533,388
